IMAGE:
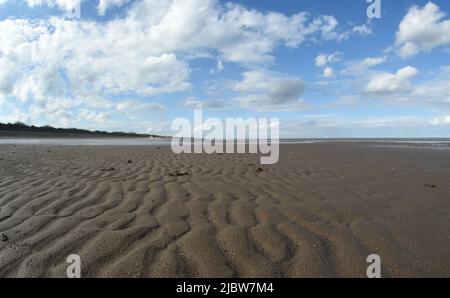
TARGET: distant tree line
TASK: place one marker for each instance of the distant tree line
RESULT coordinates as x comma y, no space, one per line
22,127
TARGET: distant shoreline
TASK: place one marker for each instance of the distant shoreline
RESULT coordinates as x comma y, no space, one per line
22,130
57,135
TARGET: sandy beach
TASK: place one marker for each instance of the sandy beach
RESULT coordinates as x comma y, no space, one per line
142,211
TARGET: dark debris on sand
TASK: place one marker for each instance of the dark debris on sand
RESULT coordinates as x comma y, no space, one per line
430,185
4,237
109,169
178,173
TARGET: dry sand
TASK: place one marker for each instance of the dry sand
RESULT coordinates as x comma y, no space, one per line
145,212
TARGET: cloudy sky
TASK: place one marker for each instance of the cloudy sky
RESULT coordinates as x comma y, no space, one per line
320,66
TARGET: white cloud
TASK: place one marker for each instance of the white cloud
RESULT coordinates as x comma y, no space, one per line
263,90
69,70
422,29
44,60
135,109
324,59
60,4
321,60
336,122
388,83
130,106
357,68
65,5
94,101
398,88
445,120
195,103
141,53
435,91
15,116
99,117
59,111
238,33
362,29
219,67
328,72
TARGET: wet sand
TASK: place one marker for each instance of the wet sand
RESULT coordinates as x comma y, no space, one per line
142,211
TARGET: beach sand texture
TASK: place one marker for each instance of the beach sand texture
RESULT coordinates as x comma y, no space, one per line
142,211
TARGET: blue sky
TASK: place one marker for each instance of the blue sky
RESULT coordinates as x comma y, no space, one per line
323,67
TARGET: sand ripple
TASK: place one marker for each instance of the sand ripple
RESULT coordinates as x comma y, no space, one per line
318,213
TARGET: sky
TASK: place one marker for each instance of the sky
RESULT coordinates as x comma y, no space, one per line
324,68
